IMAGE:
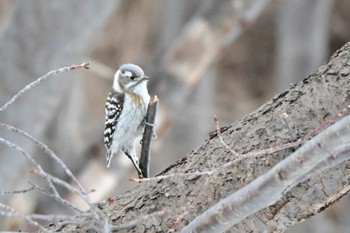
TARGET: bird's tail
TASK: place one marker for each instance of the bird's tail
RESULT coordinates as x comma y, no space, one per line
109,157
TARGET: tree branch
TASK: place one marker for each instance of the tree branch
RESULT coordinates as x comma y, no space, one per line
147,137
84,65
324,151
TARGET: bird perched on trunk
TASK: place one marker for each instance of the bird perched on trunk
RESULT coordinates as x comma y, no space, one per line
126,108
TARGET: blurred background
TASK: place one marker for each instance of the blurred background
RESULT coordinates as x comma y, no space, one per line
206,57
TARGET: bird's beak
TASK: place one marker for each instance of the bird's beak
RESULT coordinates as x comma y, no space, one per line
146,78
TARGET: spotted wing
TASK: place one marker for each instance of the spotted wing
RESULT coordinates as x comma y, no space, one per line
114,107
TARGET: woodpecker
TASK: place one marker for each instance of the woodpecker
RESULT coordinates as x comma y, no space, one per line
126,108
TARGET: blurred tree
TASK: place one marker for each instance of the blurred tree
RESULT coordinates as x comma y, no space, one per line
303,38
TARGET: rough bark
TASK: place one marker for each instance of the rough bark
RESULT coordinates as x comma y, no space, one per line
308,104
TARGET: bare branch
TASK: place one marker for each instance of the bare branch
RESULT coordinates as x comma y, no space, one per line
218,132
328,149
56,217
48,151
31,219
10,212
17,191
328,122
147,137
30,158
95,217
57,198
49,178
84,65
76,191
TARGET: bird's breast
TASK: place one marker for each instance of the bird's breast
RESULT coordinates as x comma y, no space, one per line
129,124
137,100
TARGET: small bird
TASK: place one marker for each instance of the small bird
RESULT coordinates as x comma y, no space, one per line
126,108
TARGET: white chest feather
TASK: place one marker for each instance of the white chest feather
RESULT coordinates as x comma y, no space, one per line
130,123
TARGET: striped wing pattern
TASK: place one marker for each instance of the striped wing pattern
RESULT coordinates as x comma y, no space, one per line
114,107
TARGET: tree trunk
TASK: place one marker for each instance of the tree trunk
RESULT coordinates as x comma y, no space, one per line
308,104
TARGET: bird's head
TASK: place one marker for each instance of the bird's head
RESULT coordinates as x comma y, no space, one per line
130,78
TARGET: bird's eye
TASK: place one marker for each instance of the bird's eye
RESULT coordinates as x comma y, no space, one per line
132,77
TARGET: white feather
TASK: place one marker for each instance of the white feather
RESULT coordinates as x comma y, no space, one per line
141,90
116,86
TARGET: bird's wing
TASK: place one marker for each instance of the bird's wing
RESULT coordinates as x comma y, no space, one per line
114,107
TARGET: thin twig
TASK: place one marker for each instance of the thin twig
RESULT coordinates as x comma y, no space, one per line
97,220
97,212
48,151
97,216
218,132
17,191
290,126
57,217
49,178
30,158
84,65
74,190
331,120
57,198
10,212
148,136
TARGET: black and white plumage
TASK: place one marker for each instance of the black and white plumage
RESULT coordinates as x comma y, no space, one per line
114,107
126,108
